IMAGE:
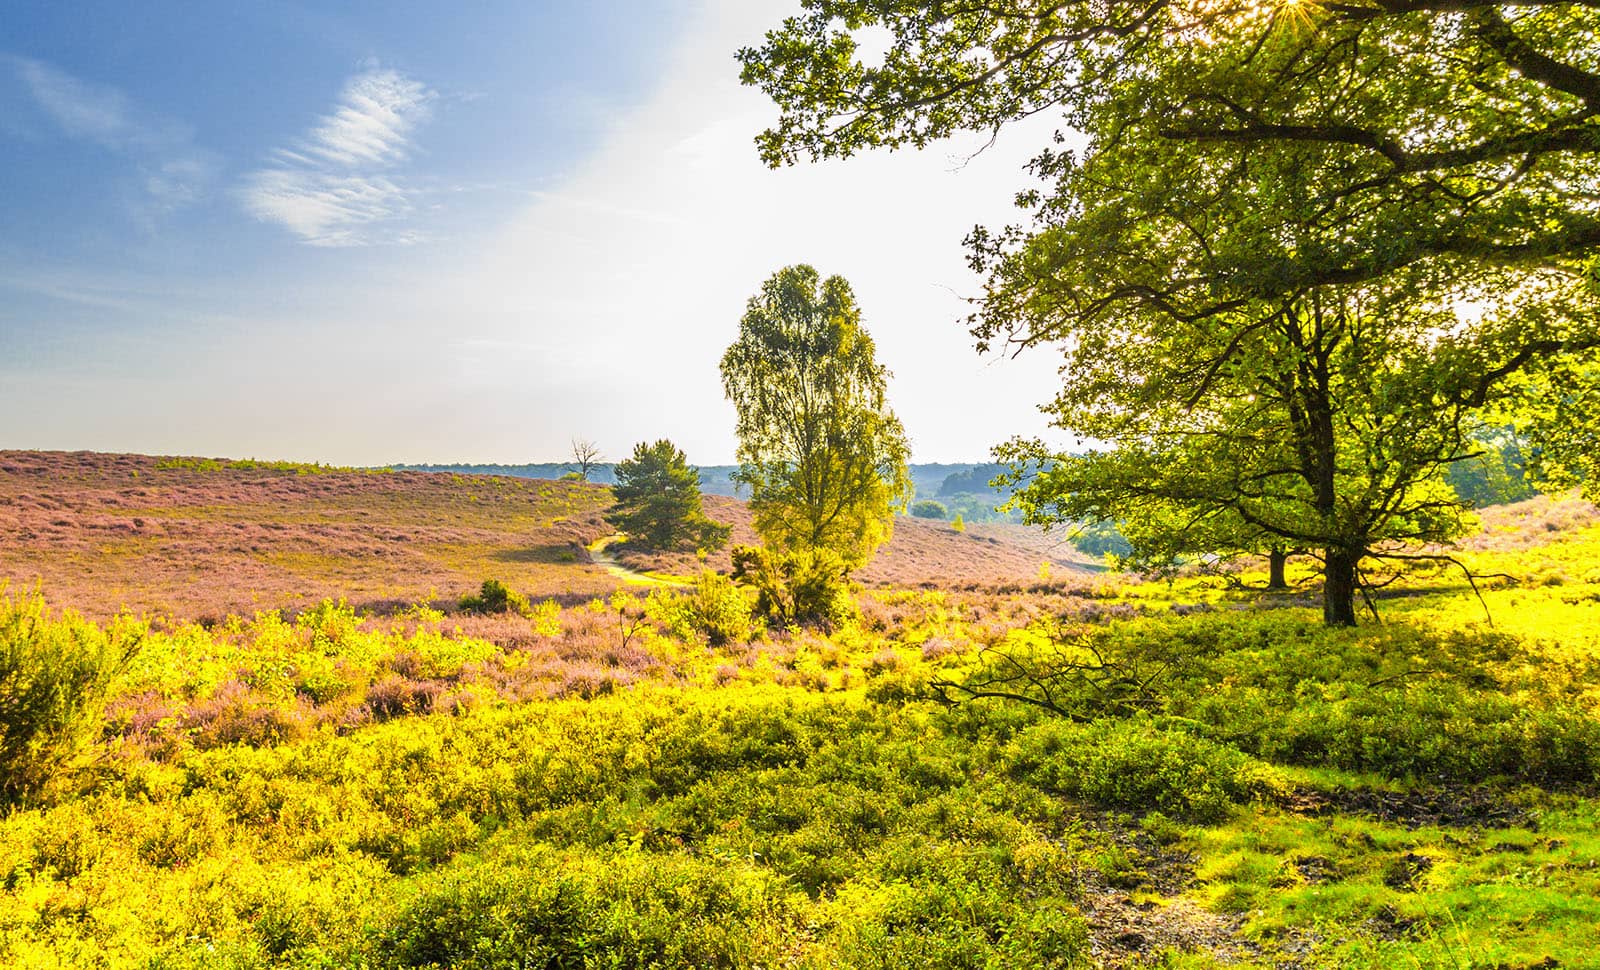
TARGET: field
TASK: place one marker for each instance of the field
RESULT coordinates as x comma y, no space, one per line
309,756
203,538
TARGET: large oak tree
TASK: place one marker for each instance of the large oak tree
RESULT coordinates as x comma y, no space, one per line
1303,242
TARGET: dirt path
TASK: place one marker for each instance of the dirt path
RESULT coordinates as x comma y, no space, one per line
1136,919
600,556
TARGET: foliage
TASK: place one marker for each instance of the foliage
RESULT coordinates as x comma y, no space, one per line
532,906
1406,702
1496,474
814,811
1302,248
929,509
715,609
495,597
821,452
1101,539
1133,765
805,588
658,501
976,480
54,679
1235,782
958,524
1555,408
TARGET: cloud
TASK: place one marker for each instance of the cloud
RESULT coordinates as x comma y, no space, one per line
81,109
173,171
323,209
330,187
376,114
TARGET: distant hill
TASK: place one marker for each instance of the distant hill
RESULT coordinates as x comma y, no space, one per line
930,479
200,538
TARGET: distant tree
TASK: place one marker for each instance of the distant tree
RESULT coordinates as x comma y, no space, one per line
1555,413
821,452
1496,474
974,481
1101,538
585,455
929,509
658,501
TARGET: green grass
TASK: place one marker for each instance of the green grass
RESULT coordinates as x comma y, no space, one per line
1237,788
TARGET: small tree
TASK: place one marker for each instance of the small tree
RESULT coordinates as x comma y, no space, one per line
658,501
929,509
822,453
585,455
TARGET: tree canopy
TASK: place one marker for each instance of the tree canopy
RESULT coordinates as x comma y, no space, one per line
822,453
1302,245
659,503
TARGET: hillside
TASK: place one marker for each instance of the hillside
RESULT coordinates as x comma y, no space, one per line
1087,772
202,538
927,477
921,552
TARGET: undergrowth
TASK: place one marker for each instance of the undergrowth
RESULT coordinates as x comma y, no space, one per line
941,781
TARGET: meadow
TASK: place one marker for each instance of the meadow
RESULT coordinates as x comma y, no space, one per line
309,753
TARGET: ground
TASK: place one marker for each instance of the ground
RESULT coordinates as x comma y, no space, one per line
993,764
208,537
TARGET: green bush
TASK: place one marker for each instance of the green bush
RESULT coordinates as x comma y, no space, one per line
534,907
716,609
495,597
55,674
796,588
1136,766
929,509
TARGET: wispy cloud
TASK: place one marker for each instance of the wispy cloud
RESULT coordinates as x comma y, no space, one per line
324,209
173,171
333,186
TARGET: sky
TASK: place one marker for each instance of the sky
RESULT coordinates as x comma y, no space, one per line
430,232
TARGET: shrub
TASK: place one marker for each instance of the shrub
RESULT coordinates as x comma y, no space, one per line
54,678
495,597
796,588
532,907
929,509
1134,765
716,609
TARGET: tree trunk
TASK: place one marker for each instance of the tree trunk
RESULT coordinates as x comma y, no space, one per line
1339,589
1277,560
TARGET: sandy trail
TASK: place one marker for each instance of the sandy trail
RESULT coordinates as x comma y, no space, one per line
600,556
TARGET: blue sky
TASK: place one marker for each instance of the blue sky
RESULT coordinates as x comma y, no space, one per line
435,232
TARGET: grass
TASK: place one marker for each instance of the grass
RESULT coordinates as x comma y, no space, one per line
108,533
595,779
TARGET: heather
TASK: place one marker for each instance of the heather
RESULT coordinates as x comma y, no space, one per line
1042,771
205,538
